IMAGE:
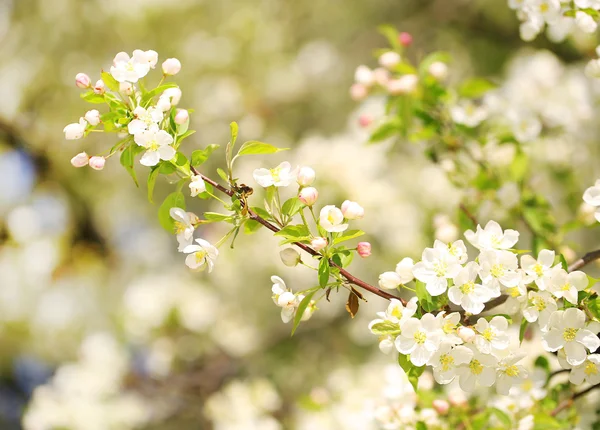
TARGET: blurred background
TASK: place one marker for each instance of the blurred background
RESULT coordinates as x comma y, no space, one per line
101,324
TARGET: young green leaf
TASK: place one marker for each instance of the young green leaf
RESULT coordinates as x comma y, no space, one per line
254,147
217,217
323,272
156,91
293,231
301,308
92,97
475,87
173,200
348,235
127,159
201,155
522,330
109,81
385,328
292,206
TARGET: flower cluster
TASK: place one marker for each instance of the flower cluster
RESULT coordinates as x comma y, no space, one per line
592,197
561,16
481,353
289,302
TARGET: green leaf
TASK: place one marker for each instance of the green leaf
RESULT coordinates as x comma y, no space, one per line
127,159
348,235
522,329
251,226
222,174
323,272
519,167
229,149
152,176
293,231
563,262
217,217
343,258
156,91
386,130
254,147
441,56
475,87
544,421
301,308
92,97
412,372
391,34
292,206
543,363
109,81
502,416
421,425
423,296
201,155
173,200
183,136
593,306
385,328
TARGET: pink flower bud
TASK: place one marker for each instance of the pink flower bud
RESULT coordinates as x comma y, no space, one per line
405,39
126,88
318,243
438,70
308,196
82,80
99,87
97,162
80,160
441,406
182,116
363,249
358,92
171,66
382,76
389,59
92,117
365,120
352,210
466,334
403,85
306,176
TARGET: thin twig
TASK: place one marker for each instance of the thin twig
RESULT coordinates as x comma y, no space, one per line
469,214
586,259
348,276
568,402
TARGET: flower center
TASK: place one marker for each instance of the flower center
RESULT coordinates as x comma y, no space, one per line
488,334
397,313
153,145
512,371
452,250
566,287
527,385
540,304
448,327
420,337
590,368
467,288
514,292
475,367
440,268
544,7
275,174
179,227
446,360
495,240
569,334
497,270
538,269
200,256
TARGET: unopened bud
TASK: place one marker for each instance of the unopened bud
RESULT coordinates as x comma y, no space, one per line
171,66
126,88
99,88
92,117
389,280
97,162
441,406
182,116
82,80
352,210
363,249
308,196
318,243
163,104
290,257
405,38
306,176
365,120
466,334
80,160
404,85
438,70
389,59
382,76
358,92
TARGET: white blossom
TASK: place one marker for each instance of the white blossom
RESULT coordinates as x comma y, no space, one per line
498,268
492,237
540,306
331,219
145,119
76,130
588,371
592,197
492,336
566,285
201,256
480,370
538,269
510,374
468,114
446,359
280,176
435,268
157,144
419,338
184,226
130,69
197,185
466,293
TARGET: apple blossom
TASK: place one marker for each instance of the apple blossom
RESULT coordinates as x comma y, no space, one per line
308,196
441,406
318,243
465,292
363,249
456,249
435,268
491,335
419,338
352,210
510,374
585,22
82,81
566,285
331,219
480,370
492,237
540,306
438,70
396,312
358,92
592,197
365,120
197,185
306,176
566,329
446,360
99,88
80,160
405,84
404,269
381,76
181,116
184,226
588,371
498,268
468,114
130,69
201,256
173,95
466,334
92,117
157,144
76,130
389,281
171,66
389,59
145,119
126,88
539,269
363,76
280,176
97,162
284,298
405,38
290,257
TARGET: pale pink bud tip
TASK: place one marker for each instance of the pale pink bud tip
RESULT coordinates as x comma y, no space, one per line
308,196
363,249
318,243
80,160
405,39
306,176
365,120
182,116
358,92
171,66
99,88
97,162
441,406
82,80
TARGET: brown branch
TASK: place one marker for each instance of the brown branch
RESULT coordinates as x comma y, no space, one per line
586,259
569,402
348,276
469,214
